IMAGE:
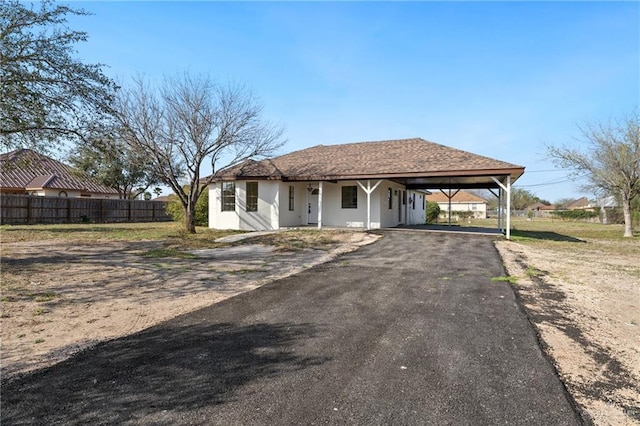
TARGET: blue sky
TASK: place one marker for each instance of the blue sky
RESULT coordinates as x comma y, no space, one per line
500,79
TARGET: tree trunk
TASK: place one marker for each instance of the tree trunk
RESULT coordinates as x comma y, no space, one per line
190,217
626,209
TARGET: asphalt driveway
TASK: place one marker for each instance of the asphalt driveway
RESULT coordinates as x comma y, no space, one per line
409,330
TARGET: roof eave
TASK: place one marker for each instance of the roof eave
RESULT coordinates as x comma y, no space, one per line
513,172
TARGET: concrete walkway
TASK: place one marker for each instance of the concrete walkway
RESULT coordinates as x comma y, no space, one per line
408,330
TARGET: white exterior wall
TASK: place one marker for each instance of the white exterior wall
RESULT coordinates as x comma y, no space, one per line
297,216
332,212
273,206
390,216
416,213
266,218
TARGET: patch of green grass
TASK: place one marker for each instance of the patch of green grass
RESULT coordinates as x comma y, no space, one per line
169,252
39,311
546,229
533,272
44,297
21,335
39,341
445,278
504,278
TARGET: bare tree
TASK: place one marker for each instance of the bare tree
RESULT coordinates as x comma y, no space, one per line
609,160
189,120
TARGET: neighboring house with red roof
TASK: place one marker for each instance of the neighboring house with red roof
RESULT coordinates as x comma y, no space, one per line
541,209
461,201
366,184
28,172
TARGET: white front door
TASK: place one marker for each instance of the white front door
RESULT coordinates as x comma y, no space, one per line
313,206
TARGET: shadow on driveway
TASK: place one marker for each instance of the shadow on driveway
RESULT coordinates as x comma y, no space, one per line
174,367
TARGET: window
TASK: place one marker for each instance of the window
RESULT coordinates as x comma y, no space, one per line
349,197
228,196
390,197
292,204
252,196
413,201
474,207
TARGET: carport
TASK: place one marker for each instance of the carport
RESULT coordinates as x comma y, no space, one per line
497,181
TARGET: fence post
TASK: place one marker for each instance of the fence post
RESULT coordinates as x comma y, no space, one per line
68,210
129,203
28,208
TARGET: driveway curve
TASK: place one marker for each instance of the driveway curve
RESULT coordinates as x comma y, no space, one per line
408,330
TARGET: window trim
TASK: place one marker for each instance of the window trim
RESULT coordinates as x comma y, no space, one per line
352,197
251,199
292,198
225,200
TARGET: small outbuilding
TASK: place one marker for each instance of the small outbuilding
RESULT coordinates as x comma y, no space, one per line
366,185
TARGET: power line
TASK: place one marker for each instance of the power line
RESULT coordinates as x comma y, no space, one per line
547,171
552,182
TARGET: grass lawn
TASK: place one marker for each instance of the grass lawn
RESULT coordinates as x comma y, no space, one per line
568,235
170,232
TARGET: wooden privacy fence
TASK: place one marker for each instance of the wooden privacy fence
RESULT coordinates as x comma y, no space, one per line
16,209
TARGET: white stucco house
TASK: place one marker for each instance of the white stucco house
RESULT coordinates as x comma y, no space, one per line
459,201
364,185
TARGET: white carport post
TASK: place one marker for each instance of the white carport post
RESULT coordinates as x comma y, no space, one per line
507,190
320,205
368,190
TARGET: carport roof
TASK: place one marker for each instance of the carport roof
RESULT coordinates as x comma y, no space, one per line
414,162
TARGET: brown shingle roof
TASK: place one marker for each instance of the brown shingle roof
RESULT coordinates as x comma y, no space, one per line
580,203
541,206
460,197
405,157
29,170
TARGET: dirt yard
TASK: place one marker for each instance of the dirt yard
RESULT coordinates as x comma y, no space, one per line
60,296
584,299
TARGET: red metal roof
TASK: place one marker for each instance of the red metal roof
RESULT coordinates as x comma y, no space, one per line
27,169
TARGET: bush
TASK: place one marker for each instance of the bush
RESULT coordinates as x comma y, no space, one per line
432,211
575,214
175,209
463,214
